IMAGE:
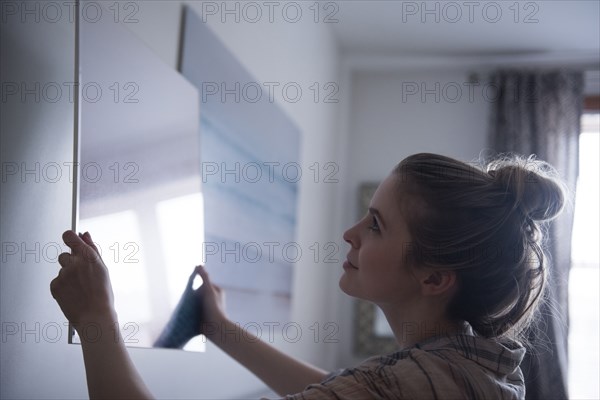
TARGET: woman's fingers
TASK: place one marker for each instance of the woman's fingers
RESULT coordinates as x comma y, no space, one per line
79,247
87,238
200,270
82,287
213,297
64,259
203,274
75,243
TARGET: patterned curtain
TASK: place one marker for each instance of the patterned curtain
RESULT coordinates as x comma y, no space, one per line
538,112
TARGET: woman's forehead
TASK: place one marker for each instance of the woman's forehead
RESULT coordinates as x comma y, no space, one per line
387,190
386,197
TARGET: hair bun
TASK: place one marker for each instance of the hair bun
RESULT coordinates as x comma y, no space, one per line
534,184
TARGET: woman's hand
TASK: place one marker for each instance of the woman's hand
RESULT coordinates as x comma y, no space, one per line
82,288
213,301
84,294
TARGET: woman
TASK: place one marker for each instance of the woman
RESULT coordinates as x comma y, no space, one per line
452,254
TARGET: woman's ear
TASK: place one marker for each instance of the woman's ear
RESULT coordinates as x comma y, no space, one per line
436,283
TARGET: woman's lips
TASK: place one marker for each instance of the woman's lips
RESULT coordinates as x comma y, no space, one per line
348,264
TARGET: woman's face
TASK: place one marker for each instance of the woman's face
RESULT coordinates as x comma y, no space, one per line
375,269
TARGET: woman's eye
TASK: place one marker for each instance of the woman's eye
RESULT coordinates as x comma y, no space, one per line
375,225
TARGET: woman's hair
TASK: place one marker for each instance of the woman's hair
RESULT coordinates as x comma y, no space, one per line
485,223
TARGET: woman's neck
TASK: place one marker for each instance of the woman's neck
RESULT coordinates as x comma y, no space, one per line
412,329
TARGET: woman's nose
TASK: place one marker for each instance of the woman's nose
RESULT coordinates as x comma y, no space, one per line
350,237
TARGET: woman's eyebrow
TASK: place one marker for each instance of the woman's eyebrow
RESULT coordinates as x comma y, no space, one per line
376,212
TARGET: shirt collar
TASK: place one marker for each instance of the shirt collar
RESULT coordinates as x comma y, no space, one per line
503,357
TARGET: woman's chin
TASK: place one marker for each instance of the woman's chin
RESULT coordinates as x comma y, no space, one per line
345,285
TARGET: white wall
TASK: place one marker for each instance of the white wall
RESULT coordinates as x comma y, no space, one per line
38,212
35,211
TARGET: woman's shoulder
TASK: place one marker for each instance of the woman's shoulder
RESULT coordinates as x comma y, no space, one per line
465,364
457,366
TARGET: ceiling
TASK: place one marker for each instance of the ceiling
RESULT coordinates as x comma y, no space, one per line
484,29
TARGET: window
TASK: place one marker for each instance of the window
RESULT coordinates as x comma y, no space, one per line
584,279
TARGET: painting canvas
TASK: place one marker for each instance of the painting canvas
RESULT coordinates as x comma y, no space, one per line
250,178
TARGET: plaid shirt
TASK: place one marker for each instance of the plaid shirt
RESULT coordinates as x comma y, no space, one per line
461,366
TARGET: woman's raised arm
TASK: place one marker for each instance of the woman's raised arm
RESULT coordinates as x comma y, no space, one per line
281,372
84,294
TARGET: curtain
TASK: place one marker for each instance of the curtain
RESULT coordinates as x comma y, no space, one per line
538,112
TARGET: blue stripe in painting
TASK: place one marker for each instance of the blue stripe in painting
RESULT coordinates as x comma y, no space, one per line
219,131
279,262
250,201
